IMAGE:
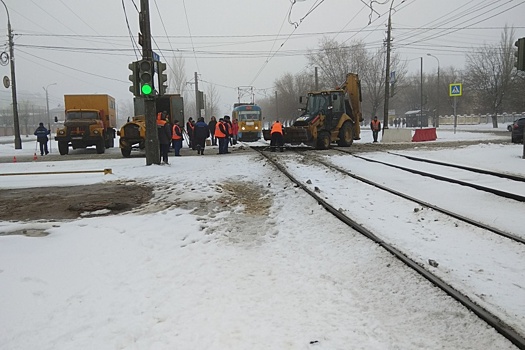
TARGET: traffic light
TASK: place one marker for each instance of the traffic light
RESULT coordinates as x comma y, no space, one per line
134,78
163,78
520,54
146,77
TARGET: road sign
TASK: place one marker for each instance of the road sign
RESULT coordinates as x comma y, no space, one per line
7,82
455,89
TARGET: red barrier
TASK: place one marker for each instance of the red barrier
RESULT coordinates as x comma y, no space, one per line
424,135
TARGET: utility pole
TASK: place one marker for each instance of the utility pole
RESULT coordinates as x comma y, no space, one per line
152,137
18,140
197,98
387,68
421,111
316,80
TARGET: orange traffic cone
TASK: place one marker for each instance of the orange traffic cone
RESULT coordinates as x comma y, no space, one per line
35,157
14,159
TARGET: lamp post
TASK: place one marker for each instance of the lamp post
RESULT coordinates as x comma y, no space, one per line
18,140
436,121
47,107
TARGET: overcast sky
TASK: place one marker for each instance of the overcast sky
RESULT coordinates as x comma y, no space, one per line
85,46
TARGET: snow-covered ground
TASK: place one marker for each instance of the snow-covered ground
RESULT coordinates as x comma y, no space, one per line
229,255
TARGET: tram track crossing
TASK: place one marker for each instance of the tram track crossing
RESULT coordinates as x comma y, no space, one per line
493,320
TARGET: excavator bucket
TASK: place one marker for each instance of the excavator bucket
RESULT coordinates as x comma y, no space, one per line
291,135
295,135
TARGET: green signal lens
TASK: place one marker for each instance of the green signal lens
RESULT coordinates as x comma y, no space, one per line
146,89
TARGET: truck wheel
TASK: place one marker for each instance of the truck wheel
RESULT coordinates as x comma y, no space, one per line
63,148
346,135
126,152
101,147
323,140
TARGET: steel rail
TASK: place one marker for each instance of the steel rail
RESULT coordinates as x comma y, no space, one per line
499,325
497,192
429,205
463,167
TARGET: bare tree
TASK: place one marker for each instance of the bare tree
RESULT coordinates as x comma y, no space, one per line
335,60
289,87
490,73
177,78
212,101
178,83
373,80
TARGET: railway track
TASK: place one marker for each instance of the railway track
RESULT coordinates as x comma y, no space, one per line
427,204
502,193
493,320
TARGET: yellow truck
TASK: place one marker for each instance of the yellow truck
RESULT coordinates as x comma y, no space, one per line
90,120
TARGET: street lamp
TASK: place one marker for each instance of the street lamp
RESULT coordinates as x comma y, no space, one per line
47,106
436,121
18,140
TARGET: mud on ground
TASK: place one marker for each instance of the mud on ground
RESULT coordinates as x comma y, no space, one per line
62,203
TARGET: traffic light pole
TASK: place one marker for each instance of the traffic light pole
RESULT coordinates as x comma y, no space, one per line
152,137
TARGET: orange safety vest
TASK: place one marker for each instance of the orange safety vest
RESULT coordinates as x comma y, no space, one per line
375,125
174,134
161,122
277,127
218,132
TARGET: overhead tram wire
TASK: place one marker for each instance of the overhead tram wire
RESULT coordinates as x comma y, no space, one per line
273,55
167,37
451,17
88,25
457,29
134,44
191,38
59,71
375,28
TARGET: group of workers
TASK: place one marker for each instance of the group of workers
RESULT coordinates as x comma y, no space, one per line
224,132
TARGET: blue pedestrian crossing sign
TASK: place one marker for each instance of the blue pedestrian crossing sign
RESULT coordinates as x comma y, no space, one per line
455,89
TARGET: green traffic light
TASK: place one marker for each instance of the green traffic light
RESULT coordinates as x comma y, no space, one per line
146,89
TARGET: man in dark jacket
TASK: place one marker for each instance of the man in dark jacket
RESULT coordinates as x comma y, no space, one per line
189,130
41,136
201,133
164,131
212,124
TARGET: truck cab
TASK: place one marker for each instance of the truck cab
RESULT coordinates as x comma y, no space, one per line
89,121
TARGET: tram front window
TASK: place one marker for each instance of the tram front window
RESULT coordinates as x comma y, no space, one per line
249,116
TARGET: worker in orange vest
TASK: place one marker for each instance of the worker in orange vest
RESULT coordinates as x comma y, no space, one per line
176,138
221,133
375,125
276,134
